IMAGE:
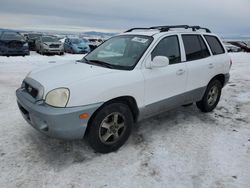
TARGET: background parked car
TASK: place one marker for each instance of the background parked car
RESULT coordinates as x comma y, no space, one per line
231,48
31,38
242,45
76,46
13,43
48,44
94,42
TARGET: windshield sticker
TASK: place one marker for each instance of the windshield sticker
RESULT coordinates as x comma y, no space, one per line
141,40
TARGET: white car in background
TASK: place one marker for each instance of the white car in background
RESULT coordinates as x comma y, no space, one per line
48,44
130,77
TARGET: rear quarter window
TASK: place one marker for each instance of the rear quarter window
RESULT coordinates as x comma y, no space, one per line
214,44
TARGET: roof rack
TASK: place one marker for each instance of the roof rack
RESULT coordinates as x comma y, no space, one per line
167,28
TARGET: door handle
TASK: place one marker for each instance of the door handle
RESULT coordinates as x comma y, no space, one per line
210,65
180,72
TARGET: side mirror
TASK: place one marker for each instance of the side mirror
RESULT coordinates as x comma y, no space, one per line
160,61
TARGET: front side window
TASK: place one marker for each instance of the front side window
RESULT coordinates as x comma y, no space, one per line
195,47
168,47
215,45
120,52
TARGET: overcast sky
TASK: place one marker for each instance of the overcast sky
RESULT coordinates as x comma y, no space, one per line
221,16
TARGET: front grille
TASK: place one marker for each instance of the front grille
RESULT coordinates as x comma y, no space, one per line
54,46
31,90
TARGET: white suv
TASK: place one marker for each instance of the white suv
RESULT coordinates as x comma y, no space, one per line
132,76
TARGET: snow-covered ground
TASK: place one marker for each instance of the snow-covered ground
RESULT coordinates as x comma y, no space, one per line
180,148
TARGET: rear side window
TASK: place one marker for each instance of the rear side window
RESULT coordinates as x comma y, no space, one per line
204,49
195,47
215,45
168,47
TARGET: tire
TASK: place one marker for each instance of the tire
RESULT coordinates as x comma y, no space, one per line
110,128
211,96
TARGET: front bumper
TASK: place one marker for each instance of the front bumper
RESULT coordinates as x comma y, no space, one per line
63,123
14,52
53,50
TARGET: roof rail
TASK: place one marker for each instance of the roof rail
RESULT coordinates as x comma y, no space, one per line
136,28
167,28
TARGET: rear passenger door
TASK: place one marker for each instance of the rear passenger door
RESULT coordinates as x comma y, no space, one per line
198,66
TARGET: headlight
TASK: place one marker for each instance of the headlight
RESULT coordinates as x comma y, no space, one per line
58,97
45,45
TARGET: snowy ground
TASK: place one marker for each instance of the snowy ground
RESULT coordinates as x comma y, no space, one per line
181,148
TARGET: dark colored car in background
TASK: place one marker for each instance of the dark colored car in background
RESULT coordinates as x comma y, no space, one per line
94,43
13,44
31,39
76,46
242,45
232,48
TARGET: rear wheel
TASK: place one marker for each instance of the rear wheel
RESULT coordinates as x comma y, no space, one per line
110,128
211,96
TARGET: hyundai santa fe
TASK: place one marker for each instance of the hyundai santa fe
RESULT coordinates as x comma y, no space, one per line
132,76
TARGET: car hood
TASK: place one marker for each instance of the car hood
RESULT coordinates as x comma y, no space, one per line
80,45
65,75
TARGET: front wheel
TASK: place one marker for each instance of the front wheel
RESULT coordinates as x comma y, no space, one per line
211,96
110,128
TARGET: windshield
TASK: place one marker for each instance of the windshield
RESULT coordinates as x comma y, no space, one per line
121,52
12,36
34,36
76,41
49,39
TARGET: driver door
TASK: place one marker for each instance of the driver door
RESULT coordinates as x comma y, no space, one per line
165,86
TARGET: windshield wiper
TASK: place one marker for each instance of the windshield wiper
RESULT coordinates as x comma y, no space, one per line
96,62
83,60
102,63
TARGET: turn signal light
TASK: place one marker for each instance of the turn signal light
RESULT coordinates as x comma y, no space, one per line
84,116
